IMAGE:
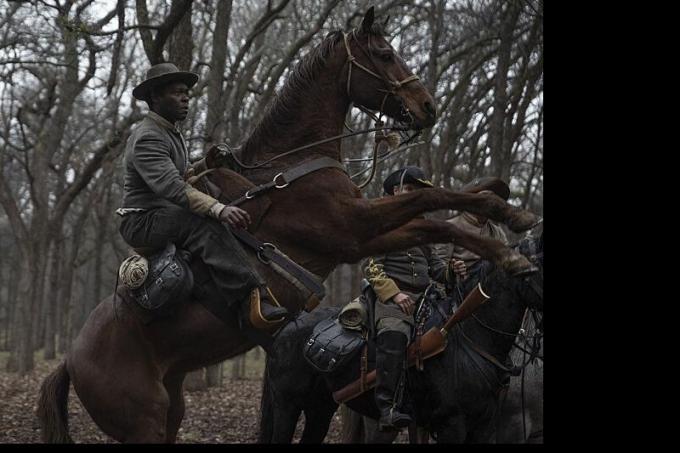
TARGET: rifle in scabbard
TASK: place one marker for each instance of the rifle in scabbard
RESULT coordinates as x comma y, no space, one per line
432,343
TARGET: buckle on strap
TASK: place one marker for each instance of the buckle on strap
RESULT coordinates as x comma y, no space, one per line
277,186
261,249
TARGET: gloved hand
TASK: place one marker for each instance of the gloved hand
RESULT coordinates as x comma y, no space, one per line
235,217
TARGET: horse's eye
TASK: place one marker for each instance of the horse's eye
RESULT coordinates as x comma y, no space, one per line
386,57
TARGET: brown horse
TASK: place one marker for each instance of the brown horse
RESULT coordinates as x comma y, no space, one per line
129,375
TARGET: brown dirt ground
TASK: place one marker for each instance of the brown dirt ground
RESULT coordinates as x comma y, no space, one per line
225,414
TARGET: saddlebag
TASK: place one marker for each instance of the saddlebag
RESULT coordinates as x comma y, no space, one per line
331,345
168,280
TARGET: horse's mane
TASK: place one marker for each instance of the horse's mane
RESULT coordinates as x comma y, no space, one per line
301,78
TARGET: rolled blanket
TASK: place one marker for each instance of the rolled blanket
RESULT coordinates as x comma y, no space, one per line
133,271
354,316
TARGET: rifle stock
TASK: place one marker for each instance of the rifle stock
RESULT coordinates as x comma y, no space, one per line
432,343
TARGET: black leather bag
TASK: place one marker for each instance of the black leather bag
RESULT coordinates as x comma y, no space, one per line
169,281
331,345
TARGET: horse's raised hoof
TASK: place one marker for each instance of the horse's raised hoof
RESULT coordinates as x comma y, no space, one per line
515,265
525,272
522,220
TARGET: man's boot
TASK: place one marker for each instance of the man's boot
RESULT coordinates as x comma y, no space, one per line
262,310
390,357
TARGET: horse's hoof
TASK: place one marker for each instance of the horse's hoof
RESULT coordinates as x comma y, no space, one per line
525,272
518,265
523,220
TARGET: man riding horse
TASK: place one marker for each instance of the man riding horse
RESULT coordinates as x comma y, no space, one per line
466,263
160,207
399,280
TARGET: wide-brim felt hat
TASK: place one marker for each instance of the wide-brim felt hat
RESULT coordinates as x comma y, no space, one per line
492,183
411,175
160,74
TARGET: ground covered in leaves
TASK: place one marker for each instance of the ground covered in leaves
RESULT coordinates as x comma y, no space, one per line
225,414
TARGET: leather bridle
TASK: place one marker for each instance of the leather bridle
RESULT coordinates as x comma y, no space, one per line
392,85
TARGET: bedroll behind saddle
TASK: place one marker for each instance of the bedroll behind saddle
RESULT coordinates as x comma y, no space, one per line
158,282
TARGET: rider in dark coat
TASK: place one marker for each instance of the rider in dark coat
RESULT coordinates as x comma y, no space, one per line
160,207
399,280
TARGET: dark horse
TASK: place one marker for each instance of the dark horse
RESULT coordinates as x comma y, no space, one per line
455,397
129,375
521,410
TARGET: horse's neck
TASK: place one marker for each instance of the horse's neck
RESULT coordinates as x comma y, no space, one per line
311,115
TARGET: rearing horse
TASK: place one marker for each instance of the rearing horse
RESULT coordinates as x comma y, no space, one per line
128,375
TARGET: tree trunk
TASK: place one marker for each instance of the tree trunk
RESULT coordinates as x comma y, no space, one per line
238,367
213,375
500,165
52,300
214,127
12,295
23,347
181,45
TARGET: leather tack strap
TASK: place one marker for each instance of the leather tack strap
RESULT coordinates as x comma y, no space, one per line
283,179
419,352
267,252
364,367
483,353
193,179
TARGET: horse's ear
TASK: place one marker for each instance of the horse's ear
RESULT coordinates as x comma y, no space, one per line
367,22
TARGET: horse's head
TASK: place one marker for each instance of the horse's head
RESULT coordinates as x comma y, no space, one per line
377,78
532,247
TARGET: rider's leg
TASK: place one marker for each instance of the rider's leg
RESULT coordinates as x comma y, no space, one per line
394,331
215,244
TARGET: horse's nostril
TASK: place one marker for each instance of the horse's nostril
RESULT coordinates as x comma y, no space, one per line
430,108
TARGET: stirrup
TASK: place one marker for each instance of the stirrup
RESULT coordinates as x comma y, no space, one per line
256,318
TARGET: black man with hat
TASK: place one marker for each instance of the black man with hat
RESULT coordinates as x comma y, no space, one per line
160,207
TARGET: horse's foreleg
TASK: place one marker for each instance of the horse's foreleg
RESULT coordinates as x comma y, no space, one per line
318,417
286,414
451,430
387,213
173,385
423,231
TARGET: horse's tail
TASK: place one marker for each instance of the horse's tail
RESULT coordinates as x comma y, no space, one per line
52,407
266,409
352,426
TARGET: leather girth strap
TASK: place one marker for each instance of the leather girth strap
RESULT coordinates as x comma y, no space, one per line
282,179
267,252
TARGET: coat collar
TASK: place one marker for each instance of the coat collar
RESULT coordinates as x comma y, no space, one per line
162,121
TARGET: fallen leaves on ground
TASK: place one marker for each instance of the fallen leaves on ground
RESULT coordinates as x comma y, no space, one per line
225,414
